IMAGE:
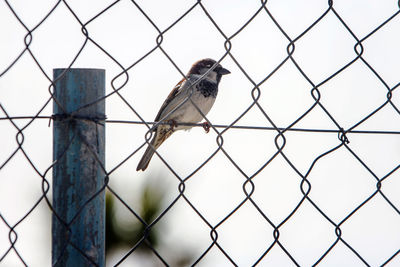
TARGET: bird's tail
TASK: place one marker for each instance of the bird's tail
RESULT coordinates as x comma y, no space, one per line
161,135
148,154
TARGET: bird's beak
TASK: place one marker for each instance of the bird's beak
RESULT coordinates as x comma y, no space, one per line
223,71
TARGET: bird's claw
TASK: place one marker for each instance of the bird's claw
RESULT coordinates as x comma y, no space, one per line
206,126
173,124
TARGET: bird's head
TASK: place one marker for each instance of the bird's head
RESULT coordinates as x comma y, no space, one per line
202,66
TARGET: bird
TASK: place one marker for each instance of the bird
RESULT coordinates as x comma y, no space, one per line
178,108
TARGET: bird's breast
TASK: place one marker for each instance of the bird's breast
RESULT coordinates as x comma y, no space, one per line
189,113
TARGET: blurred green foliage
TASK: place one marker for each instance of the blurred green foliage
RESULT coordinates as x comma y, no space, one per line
118,234
123,234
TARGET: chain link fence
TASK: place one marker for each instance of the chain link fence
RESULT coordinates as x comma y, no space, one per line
300,167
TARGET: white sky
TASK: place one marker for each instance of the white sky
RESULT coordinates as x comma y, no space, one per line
339,181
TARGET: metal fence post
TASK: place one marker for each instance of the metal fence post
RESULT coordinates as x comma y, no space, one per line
78,223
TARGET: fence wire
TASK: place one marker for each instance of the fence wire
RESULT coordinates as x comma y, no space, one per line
22,124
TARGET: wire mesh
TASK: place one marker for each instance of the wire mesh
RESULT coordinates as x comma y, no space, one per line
124,68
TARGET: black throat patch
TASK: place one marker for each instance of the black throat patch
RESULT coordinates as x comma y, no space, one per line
208,88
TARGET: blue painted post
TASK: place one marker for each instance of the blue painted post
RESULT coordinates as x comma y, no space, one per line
78,226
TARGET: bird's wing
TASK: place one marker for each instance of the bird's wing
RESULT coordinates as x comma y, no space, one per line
175,98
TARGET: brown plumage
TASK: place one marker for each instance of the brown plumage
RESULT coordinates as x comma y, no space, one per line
178,108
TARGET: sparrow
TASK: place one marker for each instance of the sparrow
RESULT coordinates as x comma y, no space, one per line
202,93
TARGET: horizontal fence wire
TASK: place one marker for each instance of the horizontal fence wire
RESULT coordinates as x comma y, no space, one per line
119,83
220,126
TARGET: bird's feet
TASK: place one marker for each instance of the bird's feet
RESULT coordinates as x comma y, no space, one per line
172,124
206,126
